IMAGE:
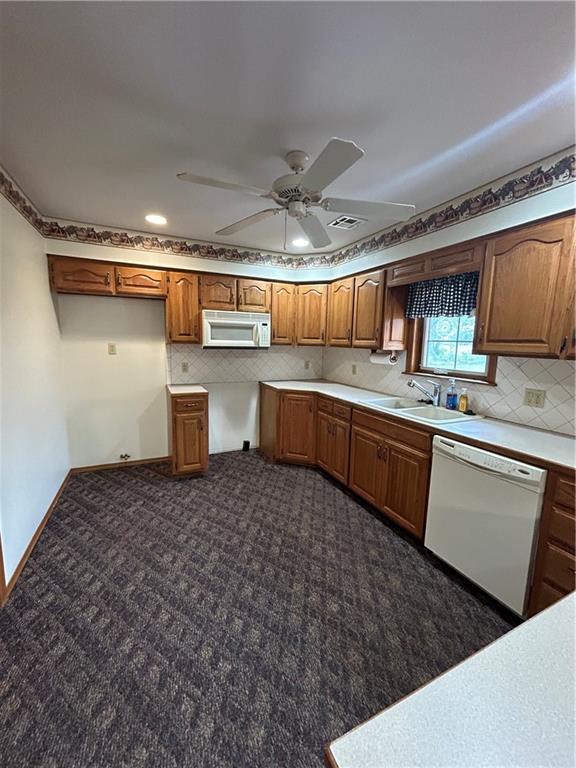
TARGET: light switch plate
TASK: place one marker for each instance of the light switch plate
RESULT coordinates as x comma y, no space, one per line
534,397
307,364
354,369
112,349
185,367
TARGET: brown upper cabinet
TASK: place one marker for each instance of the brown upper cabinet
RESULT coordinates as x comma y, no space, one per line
218,292
367,322
137,281
340,312
525,297
446,261
311,314
182,308
254,295
394,323
283,295
81,276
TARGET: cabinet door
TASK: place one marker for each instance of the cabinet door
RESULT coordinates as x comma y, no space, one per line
283,313
311,314
297,432
190,442
323,440
524,292
366,467
182,309
218,292
136,281
253,295
394,323
340,455
80,276
368,310
340,306
404,491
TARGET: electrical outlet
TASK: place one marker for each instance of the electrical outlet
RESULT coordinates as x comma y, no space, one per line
307,364
112,349
354,369
535,397
185,367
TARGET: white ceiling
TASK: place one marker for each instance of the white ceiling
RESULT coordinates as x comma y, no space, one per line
103,103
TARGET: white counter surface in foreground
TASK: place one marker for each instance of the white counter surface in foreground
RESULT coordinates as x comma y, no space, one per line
186,389
511,704
533,443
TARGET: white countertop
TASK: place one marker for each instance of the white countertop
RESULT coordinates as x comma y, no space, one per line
534,443
511,704
186,389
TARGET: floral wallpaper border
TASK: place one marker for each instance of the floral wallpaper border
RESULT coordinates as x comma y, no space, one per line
557,170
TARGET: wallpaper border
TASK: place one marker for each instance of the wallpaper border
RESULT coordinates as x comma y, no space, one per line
553,171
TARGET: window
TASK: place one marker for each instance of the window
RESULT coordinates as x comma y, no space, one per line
443,346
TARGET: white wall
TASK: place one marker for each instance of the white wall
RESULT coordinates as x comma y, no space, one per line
34,448
115,403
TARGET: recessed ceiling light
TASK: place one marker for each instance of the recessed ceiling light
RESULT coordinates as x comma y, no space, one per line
156,218
300,242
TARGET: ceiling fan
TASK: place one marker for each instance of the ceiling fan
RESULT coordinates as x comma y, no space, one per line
299,192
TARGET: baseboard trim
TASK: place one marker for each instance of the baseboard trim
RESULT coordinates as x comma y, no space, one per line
6,589
118,464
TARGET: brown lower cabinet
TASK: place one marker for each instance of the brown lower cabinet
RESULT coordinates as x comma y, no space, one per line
189,426
555,568
383,461
387,469
333,441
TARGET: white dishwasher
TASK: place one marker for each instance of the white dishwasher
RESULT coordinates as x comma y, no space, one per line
483,514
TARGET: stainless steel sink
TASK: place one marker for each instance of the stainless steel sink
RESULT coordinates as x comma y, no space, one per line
393,403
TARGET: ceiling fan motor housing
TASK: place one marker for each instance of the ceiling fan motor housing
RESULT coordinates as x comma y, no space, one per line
297,209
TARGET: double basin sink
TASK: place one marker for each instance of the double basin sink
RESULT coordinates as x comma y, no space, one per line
431,414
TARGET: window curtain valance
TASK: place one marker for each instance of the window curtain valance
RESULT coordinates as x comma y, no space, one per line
450,296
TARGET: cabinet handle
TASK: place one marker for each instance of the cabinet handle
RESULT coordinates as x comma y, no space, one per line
118,279
348,334
481,333
379,451
107,279
384,453
377,333
563,345
322,335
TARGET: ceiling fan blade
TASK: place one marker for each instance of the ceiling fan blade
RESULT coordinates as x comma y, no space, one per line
314,228
392,211
248,221
336,157
208,182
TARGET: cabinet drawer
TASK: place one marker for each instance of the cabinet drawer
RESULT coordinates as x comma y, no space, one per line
559,567
562,526
407,435
325,404
342,411
547,595
564,492
189,404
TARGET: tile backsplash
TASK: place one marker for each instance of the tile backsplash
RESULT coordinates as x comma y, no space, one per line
207,366
504,401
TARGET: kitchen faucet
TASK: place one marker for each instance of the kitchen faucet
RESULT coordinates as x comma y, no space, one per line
434,395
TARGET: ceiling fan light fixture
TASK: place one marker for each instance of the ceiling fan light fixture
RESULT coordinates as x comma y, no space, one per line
300,242
156,218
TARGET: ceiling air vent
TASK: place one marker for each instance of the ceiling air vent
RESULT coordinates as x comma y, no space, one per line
346,222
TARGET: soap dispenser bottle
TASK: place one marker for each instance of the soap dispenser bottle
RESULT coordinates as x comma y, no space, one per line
452,396
463,400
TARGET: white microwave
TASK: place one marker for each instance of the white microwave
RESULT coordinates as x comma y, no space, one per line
235,329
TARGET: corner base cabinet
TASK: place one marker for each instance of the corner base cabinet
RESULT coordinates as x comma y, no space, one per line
189,432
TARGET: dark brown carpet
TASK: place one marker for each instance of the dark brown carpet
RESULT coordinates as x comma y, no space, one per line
243,619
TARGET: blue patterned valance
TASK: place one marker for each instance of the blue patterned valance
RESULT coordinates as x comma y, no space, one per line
451,296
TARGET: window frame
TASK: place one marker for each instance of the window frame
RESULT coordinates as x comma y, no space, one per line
414,367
